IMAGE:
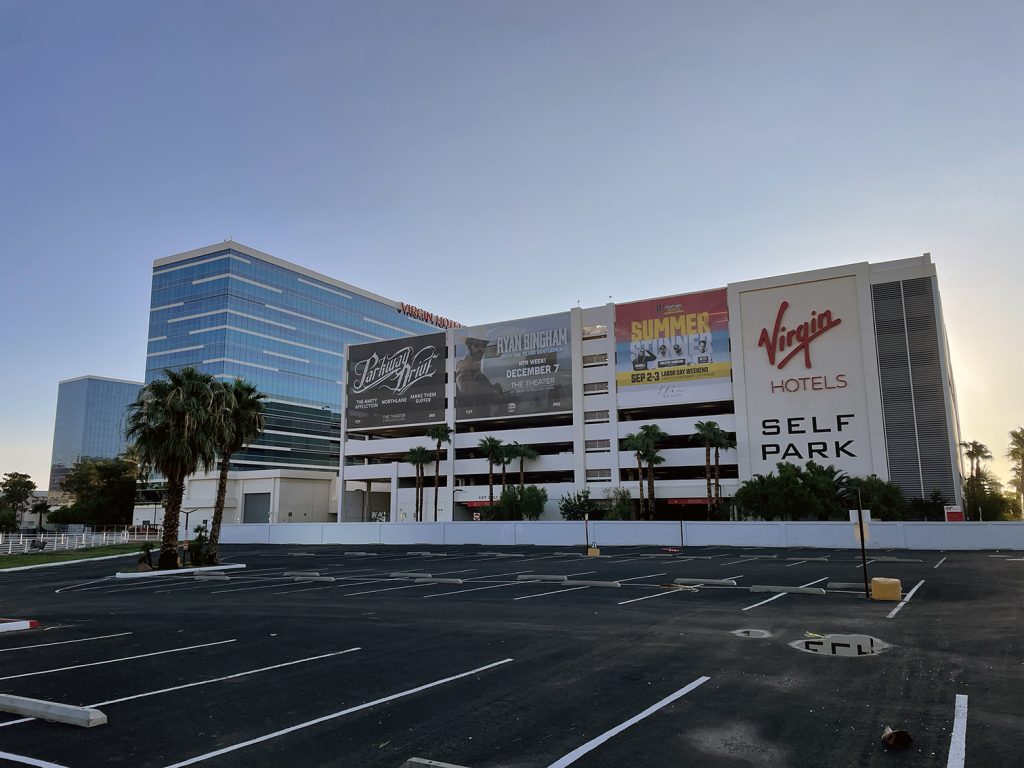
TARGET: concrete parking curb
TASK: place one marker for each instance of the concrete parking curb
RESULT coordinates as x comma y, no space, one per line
178,571
83,717
16,625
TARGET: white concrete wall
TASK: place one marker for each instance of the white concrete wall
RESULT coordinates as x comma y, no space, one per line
900,535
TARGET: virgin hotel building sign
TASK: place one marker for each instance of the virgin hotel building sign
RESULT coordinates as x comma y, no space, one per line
805,387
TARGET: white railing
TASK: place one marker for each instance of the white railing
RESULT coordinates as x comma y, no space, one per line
22,543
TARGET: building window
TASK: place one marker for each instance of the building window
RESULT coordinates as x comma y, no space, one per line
596,388
599,475
591,360
598,446
595,417
599,331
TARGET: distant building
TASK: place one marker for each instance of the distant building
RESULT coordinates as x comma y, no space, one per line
89,424
235,312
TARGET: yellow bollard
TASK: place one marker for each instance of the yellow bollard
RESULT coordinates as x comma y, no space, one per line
886,589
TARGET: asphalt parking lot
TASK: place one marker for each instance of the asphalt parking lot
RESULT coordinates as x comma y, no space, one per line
372,669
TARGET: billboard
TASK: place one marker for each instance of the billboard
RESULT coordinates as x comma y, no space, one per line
674,349
518,368
394,382
804,379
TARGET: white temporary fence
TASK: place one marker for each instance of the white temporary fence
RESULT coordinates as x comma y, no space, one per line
22,543
896,535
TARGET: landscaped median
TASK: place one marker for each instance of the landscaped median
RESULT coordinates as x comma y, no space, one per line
67,557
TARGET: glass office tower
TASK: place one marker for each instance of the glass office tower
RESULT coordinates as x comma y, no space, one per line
235,312
90,422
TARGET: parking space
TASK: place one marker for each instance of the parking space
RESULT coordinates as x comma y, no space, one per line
523,656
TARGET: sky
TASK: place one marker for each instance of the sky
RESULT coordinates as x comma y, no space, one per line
493,160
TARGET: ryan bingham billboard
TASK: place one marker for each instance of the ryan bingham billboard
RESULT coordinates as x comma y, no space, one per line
394,382
517,368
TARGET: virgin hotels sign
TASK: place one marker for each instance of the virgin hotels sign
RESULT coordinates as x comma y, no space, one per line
803,376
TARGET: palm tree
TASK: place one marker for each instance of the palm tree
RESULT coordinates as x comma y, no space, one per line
523,453
707,433
491,447
440,434
722,441
652,434
505,457
637,443
976,453
1016,456
419,457
170,426
238,420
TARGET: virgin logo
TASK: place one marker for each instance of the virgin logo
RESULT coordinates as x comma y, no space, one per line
789,342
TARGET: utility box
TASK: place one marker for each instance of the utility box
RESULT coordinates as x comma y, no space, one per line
886,589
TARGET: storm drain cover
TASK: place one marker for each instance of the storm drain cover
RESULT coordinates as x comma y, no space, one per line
759,634
841,645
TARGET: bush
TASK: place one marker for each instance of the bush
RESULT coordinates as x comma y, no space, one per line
618,504
574,506
8,522
199,546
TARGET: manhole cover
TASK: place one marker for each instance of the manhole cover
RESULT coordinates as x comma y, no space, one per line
759,634
841,645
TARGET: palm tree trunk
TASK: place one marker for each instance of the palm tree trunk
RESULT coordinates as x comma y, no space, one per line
718,482
437,477
490,483
522,475
707,472
419,493
651,505
218,512
172,511
640,477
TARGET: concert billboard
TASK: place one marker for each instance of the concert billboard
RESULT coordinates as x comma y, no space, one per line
518,368
395,382
673,350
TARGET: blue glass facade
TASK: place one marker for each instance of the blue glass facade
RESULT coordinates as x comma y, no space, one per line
90,422
236,313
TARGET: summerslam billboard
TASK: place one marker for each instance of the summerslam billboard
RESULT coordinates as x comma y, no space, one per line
518,368
394,382
673,350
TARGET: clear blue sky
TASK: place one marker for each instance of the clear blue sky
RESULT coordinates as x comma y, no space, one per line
491,160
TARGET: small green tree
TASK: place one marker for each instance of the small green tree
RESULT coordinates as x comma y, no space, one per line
653,435
16,488
8,521
618,504
637,445
101,491
573,506
526,503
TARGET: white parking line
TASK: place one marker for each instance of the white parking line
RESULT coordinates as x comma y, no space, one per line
783,594
958,740
801,562
940,562
542,594
474,589
637,578
28,760
656,594
905,600
63,642
579,752
335,715
198,683
737,562
114,661
861,565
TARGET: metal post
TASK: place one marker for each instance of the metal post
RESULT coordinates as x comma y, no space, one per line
863,554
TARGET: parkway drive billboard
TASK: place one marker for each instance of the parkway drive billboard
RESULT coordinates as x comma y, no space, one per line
674,349
395,382
517,368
